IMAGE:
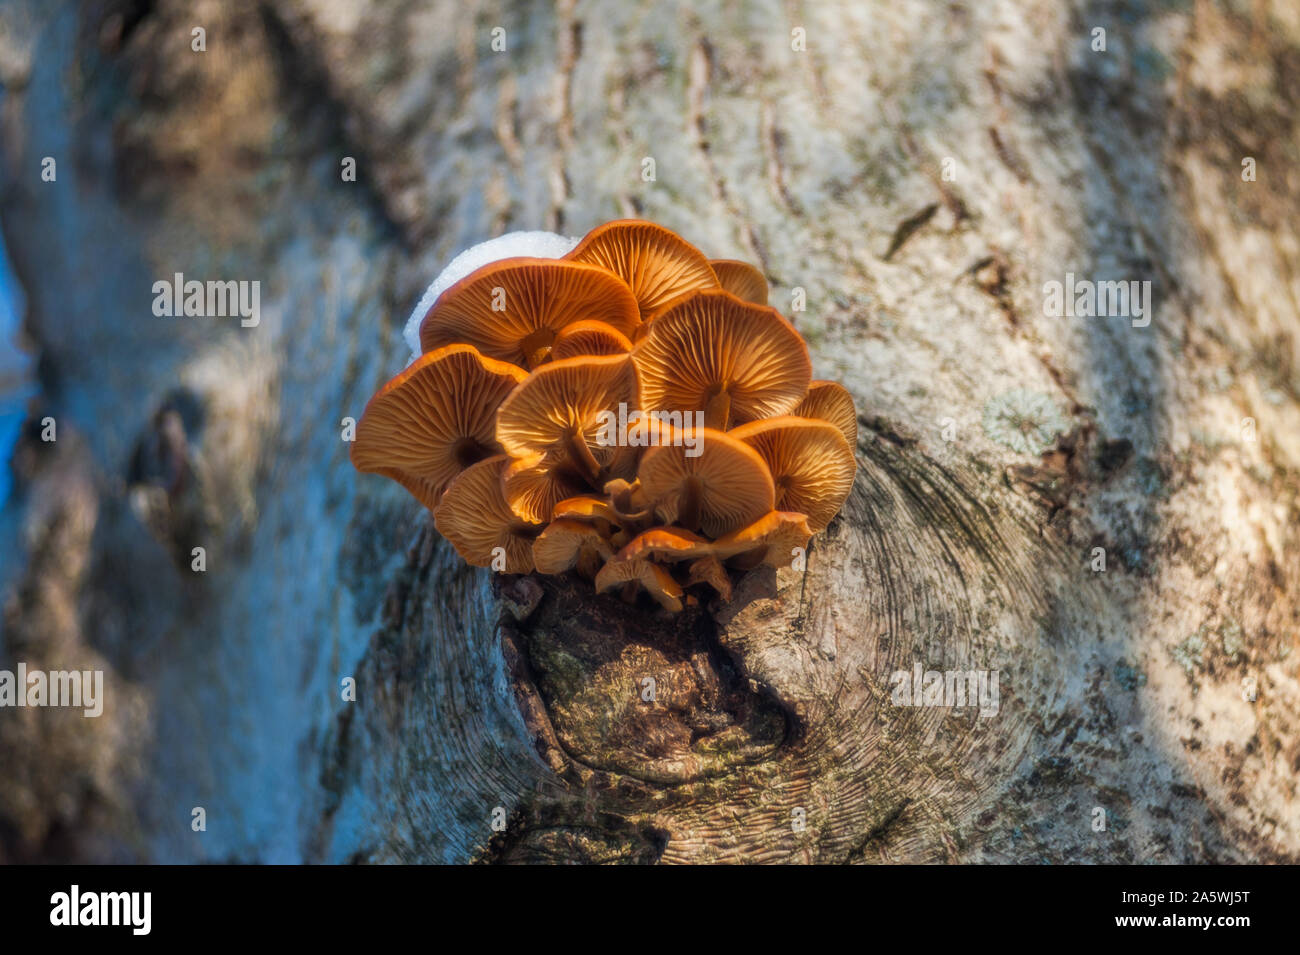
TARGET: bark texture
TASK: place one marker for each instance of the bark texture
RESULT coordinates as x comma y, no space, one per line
918,172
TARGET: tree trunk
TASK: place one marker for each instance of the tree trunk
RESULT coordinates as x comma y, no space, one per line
1104,513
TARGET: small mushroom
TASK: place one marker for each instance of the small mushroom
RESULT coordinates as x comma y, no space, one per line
474,516
709,570
566,544
811,464
741,279
586,507
589,338
534,483
560,412
657,263
725,486
668,543
514,309
733,360
830,401
628,499
434,419
770,540
647,574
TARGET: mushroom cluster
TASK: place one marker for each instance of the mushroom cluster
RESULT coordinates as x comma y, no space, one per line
633,411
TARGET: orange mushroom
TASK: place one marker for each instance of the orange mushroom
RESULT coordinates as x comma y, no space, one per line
434,419
514,309
831,402
725,486
657,263
560,411
534,483
566,544
628,499
773,539
770,540
586,507
589,338
644,573
474,516
709,570
811,464
741,279
733,360
666,543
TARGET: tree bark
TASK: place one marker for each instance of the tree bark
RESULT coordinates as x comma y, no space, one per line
915,173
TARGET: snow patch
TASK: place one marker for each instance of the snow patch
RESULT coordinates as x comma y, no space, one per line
537,245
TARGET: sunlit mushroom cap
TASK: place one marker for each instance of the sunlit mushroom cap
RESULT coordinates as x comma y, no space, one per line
589,338
535,483
830,401
776,534
733,360
474,516
649,575
657,263
811,464
724,487
585,507
434,419
666,543
514,309
565,543
741,279
559,409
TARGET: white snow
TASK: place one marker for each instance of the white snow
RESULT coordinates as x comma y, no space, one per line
537,245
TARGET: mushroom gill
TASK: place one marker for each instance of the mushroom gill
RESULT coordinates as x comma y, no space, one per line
474,516
656,263
515,309
733,360
434,419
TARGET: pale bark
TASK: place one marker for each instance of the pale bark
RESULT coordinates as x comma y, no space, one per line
1120,689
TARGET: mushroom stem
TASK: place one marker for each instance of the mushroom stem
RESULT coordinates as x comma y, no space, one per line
688,511
537,346
582,458
717,414
467,451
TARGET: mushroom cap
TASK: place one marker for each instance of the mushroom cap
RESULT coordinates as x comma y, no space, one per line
657,581
433,419
534,484
541,297
741,279
709,570
627,500
669,543
585,507
589,337
726,484
560,546
657,263
474,516
776,533
734,360
831,401
562,402
811,464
